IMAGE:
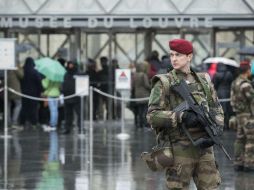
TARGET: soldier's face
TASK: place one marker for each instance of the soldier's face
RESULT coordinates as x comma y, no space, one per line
180,61
249,74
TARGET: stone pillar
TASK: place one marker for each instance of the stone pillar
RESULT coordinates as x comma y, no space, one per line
148,43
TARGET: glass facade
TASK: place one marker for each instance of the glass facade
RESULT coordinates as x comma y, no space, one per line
122,29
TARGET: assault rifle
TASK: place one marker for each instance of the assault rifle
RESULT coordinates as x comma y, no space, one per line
208,124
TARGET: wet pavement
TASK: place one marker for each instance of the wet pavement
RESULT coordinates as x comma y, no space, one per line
34,159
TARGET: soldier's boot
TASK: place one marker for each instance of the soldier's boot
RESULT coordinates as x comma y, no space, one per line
238,168
248,169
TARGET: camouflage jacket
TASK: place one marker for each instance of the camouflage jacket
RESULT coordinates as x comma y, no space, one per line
242,96
161,114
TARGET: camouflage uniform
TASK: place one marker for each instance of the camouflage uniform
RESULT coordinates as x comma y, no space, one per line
242,97
189,161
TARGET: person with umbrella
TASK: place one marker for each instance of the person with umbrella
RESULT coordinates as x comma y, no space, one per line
52,92
54,73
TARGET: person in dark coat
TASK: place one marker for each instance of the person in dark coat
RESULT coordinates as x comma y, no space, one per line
166,65
94,79
103,86
30,85
1,99
141,87
222,83
14,100
116,107
155,64
73,104
155,61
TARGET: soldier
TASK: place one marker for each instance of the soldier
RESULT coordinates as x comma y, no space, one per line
242,99
189,161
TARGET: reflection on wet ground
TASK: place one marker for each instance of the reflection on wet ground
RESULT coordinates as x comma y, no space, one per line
33,159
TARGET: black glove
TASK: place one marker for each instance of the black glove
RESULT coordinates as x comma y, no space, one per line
190,119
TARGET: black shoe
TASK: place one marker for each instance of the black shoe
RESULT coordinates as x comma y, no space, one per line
79,131
238,168
65,132
248,169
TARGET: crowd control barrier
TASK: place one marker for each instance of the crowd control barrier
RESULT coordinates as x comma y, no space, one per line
91,90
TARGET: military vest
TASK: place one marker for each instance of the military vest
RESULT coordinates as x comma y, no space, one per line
238,102
200,90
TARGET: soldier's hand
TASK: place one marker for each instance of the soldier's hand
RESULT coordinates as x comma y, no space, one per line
190,119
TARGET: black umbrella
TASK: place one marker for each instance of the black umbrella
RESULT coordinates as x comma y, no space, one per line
248,50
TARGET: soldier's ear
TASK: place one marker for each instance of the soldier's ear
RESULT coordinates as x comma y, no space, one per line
190,57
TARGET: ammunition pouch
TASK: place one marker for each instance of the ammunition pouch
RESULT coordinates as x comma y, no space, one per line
250,125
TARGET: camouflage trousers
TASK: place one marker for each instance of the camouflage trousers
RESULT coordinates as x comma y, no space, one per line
244,144
192,162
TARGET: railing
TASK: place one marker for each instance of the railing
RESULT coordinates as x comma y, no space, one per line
94,89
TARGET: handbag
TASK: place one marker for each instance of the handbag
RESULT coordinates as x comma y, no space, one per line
160,158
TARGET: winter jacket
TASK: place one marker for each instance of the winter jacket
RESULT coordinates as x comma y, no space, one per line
222,81
68,87
14,79
52,88
31,82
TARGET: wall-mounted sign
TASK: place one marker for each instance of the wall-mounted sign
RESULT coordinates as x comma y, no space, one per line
7,53
106,21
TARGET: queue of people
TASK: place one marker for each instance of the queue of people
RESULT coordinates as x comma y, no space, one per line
30,82
52,115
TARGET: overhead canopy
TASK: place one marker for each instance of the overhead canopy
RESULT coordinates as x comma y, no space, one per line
126,13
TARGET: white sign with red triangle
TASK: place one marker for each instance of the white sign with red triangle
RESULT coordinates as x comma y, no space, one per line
123,79
7,53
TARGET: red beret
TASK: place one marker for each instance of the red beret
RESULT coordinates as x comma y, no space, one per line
181,46
245,64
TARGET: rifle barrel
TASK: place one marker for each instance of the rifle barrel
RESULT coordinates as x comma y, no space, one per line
226,153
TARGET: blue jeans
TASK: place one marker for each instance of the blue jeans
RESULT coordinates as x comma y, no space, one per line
53,110
53,146
13,119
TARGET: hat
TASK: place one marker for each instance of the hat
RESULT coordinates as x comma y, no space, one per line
181,46
245,64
